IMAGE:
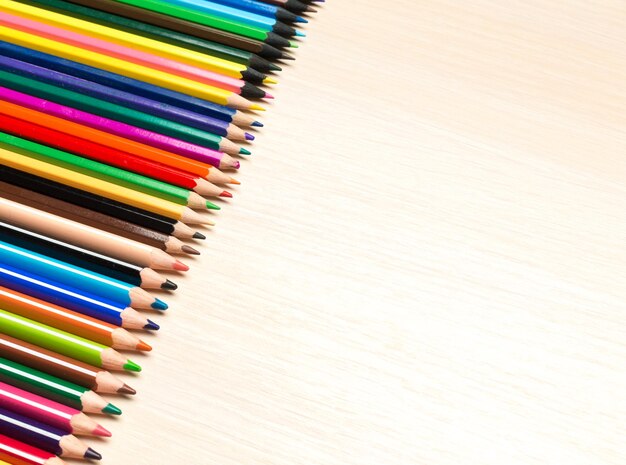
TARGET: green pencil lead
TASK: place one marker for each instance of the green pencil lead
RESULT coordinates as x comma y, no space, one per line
111,410
244,151
212,206
131,366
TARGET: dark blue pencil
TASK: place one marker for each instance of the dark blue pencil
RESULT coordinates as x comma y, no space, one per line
73,299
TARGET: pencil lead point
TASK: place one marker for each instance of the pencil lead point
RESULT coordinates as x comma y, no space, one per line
270,80
143,346
92,454
249,136
226,194
274,67
126,389
268,95
102,432
287,56
189,250
293,44
131,366
152,326
300,19
236,165
212,206
233,181
300,34
169,285
111,410
257,124
198,235
180,266
244,151
158,304
256,106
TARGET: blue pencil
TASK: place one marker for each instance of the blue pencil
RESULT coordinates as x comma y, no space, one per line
73,299
80,278
126,84
264,9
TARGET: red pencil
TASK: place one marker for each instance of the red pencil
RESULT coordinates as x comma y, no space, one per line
110,156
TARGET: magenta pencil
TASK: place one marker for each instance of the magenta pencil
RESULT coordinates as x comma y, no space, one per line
167,65
154,139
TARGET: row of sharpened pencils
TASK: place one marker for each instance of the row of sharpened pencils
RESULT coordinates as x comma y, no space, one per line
121,125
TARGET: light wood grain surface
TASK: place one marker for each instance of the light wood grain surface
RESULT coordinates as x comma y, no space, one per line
425,261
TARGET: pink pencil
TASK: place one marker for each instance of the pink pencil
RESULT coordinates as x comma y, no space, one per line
48,411
154,139
138,57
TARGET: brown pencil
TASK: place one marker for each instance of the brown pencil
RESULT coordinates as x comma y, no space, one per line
101,220
94,378
86,236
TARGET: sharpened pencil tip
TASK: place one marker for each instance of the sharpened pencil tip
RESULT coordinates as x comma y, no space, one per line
257,124
143,346
180,266
111,410
126,389
92,454
102,432
292,44
236,165
158,304
300,19
256,106
212,206
198,235
300,34
226,194
152,326
268,95
244,151
274,67
233,181
131,366
287,56
169,285
248,136
189,250
270,80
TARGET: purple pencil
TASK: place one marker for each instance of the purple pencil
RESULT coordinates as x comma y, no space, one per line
196,152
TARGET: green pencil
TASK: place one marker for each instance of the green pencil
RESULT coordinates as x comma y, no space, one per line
54,388
106,172
64,343
119,113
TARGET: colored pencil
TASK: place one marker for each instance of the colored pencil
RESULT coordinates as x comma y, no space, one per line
134,41
170,81
85,236
30,164
111,157
64,343
103,205
104,172
120,143
84,258
48,411
132,56
124,99
252,62
260,8
130,85
80,278
164,142
250,32
295,6
54,388
49,361
43,436
247,18
68,297
99,107
187,27
20,453
100,221
67,320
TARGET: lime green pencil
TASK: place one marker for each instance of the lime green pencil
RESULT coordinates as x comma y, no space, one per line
64,343
54,388
105,172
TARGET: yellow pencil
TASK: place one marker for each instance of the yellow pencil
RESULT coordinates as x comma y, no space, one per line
97,186
219,65
115,65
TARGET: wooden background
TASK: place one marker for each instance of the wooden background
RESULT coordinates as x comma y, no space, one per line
425,261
